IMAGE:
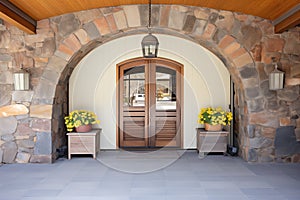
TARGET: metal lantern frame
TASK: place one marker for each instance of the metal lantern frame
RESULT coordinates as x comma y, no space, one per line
150,42
21,80
276,78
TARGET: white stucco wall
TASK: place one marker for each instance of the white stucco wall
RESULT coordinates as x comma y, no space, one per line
93,82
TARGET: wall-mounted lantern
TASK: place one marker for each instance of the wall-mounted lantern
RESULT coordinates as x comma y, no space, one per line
276,78
150,42
21,80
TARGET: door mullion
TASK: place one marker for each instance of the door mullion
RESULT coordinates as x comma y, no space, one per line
152,103
147,103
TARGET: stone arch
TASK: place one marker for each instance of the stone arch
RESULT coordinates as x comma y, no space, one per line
196,24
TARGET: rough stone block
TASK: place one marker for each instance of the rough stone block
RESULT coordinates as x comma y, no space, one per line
23,129
48,47
41,111
252,93
256,105
176,20
243,60
57,64
289,94
264,118
199,27
226,41
291,46
4,39
295,70
261,72
252,155
41,159
41,125
8,125
72,42
251,36
5,91
22,157
201,13
164,16
21,96
111,22
233,47
11,110
225,20
87,16
268,132
43,144
102,25
68,24
209,31
213,17
9,152
82,36
91,30
5,57
133,15
248,72
26,143
6,77
45,90
292,81
285,121
7,138
285,142
274,44
154,15
120,20
237,53
189,23
260,142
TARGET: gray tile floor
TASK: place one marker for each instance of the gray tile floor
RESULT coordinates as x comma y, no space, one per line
118,175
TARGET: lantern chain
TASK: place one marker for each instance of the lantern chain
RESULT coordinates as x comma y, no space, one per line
149,25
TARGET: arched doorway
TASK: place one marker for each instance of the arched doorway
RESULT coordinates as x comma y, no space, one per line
149,103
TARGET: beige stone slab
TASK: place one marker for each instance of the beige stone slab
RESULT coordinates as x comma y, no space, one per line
41,111
132,15
12,110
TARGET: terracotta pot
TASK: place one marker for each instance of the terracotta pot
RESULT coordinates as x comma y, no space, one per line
84,128
209,127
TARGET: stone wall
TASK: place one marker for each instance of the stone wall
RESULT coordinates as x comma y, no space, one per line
31,122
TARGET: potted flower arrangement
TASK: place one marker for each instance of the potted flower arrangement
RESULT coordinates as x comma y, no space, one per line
214,118
81,120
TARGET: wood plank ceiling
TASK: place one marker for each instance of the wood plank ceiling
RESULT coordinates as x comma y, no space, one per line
24,13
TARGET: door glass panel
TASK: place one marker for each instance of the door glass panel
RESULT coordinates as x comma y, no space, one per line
134,87
165,88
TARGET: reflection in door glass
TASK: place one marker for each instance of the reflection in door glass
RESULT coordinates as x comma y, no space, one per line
165,89
134,87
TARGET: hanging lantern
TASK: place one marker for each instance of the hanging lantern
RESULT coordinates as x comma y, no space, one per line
150,42
276,78
150,46
21,80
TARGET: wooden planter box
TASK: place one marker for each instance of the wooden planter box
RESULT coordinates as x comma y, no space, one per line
84,143
211,141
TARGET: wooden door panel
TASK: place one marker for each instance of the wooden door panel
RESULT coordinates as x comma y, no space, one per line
153,118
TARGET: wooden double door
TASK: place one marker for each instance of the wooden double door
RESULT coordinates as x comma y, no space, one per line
149,103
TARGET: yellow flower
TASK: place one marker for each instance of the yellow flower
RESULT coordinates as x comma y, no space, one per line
80,117
214,116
